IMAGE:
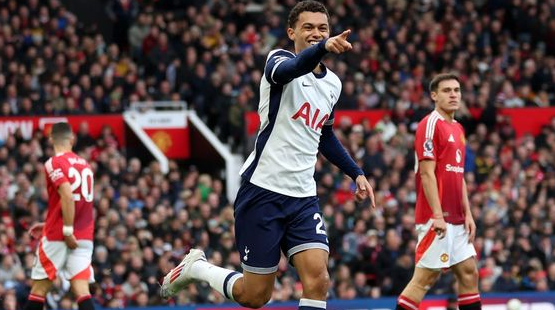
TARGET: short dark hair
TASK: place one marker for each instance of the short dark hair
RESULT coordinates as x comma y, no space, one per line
61,131
305,6
434,84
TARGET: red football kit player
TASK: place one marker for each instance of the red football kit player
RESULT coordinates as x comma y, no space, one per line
442,141
66,242
443,219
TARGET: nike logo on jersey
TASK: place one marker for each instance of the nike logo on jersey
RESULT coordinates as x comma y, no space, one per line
451,139
306,84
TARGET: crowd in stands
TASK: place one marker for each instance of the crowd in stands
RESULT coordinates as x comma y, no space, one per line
211,54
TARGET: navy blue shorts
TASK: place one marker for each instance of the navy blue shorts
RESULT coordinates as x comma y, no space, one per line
267,223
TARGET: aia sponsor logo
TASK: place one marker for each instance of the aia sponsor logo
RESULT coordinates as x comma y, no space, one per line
311,119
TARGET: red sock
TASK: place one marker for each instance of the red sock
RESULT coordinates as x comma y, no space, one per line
34,302
85,302
470,301
403,303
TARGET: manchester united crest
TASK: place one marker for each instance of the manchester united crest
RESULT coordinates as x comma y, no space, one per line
162,140
444,258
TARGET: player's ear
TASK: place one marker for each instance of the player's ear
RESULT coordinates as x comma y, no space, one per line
291,34
434,96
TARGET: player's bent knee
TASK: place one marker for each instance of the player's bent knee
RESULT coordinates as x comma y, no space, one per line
469,278
255,297
317,284
255,301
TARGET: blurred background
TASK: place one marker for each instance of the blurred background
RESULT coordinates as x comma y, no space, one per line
163,97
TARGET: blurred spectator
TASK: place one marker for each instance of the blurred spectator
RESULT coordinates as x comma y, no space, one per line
122,13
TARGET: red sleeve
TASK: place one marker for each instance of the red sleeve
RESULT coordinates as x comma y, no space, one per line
55,171
424,142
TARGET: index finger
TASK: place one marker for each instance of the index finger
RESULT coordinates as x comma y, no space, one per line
345,33
371,196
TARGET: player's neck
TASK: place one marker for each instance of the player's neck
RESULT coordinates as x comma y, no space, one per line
318,69
60,149
448,116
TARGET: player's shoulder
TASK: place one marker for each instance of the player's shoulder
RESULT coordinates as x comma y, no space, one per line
430,123
49,164
432,118
55,164
280,53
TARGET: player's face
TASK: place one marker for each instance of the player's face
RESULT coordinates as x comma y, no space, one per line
311,28
448,96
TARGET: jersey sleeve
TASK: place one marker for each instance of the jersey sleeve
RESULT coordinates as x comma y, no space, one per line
55,172
334,151
275,59
283,66
425,142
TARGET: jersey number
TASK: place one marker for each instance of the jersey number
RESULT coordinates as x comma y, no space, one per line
320,224
85,181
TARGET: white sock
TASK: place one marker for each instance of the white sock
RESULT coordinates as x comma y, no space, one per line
310,304
219,278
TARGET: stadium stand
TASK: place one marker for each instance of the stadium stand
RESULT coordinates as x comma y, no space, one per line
211,56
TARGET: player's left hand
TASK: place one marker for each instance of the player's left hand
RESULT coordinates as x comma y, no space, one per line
71,241
470,228
36,230
364,190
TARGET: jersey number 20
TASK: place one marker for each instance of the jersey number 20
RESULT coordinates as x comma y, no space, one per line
85,181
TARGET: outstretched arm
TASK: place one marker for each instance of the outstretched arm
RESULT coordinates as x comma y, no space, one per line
283,67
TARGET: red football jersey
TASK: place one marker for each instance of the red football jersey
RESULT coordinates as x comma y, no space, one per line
68,167
442,141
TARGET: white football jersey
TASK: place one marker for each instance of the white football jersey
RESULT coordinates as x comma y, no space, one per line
291,119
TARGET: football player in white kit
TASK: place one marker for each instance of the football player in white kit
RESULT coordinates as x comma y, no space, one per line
276,208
